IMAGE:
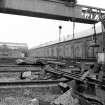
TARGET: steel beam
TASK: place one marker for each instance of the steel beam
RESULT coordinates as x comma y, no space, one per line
52,9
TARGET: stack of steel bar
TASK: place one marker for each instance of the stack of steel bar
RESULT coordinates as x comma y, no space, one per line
68,75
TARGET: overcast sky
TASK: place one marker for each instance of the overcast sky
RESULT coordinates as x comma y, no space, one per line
35,31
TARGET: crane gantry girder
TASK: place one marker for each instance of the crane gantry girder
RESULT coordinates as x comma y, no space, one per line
52,9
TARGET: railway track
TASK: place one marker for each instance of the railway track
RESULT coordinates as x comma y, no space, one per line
33,68
29,83
22,68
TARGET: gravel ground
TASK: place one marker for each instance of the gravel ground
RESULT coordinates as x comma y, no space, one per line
22,96
41,102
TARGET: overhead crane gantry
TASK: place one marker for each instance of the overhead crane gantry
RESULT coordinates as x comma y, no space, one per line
52,9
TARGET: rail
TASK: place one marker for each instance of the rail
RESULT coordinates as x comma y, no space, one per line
19,68
18,83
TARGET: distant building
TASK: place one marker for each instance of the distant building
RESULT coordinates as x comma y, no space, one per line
15,50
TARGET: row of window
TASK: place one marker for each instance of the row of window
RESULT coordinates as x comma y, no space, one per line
66,51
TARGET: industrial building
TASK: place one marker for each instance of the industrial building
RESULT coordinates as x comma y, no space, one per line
13,50
74,48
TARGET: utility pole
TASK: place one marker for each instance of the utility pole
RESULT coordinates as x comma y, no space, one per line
73,29
60,28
